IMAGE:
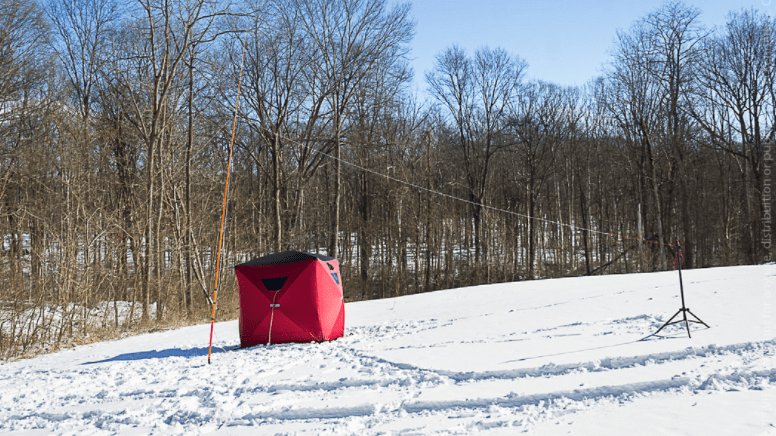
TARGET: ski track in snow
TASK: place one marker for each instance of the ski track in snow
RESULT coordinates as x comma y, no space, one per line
348,387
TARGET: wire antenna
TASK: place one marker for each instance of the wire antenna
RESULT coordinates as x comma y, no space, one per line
463,200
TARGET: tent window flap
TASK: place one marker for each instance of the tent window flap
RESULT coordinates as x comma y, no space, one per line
274,284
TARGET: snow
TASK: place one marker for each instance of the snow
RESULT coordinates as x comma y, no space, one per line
549,357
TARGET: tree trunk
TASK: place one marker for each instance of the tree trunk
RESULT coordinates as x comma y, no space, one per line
656,199
188,291
364,242
276,193
337,188
149,231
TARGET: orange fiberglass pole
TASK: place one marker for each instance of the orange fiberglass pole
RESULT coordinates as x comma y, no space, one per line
223,212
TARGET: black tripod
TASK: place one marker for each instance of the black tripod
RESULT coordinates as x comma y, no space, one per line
684,310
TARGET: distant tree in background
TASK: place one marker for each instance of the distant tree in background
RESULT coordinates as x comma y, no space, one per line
116,118
477,95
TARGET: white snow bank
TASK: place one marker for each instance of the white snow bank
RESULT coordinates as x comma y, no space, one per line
546,357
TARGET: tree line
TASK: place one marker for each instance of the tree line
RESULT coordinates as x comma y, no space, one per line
116,120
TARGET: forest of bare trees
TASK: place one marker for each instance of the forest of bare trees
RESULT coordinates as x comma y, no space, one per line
116,118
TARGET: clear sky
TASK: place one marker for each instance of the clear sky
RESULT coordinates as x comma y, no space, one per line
563,41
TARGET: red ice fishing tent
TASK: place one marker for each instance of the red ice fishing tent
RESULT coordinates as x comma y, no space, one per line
290,296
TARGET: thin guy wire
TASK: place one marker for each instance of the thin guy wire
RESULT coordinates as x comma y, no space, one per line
422,188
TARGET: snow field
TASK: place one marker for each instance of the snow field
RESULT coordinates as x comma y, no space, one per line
565,356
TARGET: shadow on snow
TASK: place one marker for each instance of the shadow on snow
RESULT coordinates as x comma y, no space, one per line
161,354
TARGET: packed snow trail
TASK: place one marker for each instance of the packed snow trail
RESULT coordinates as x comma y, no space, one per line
543,357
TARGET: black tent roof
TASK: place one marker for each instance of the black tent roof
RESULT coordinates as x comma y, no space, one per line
284,257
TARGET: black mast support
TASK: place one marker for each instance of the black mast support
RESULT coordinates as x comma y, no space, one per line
684,310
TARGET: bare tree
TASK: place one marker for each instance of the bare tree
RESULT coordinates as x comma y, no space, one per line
82,48
538,121
24,101
635,104
23,54
162,39
352,37
735,104
671,55
276,93
114,133
477,94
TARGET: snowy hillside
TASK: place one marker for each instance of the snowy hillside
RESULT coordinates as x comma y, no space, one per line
551,357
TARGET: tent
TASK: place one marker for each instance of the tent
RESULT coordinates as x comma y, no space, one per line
291,296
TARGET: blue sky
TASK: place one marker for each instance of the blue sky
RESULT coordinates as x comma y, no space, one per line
565,42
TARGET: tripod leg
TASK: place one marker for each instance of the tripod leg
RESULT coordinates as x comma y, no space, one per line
668,322
687,324
699,320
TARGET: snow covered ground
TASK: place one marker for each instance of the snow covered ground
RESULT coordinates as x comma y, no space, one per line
549,357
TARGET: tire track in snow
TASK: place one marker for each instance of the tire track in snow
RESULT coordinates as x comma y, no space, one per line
372,372
736,381
407,375
516,400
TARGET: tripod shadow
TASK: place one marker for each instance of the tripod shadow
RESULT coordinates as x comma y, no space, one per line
679,334
650,337
579,351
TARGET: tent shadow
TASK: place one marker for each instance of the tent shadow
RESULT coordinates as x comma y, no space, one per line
161,354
